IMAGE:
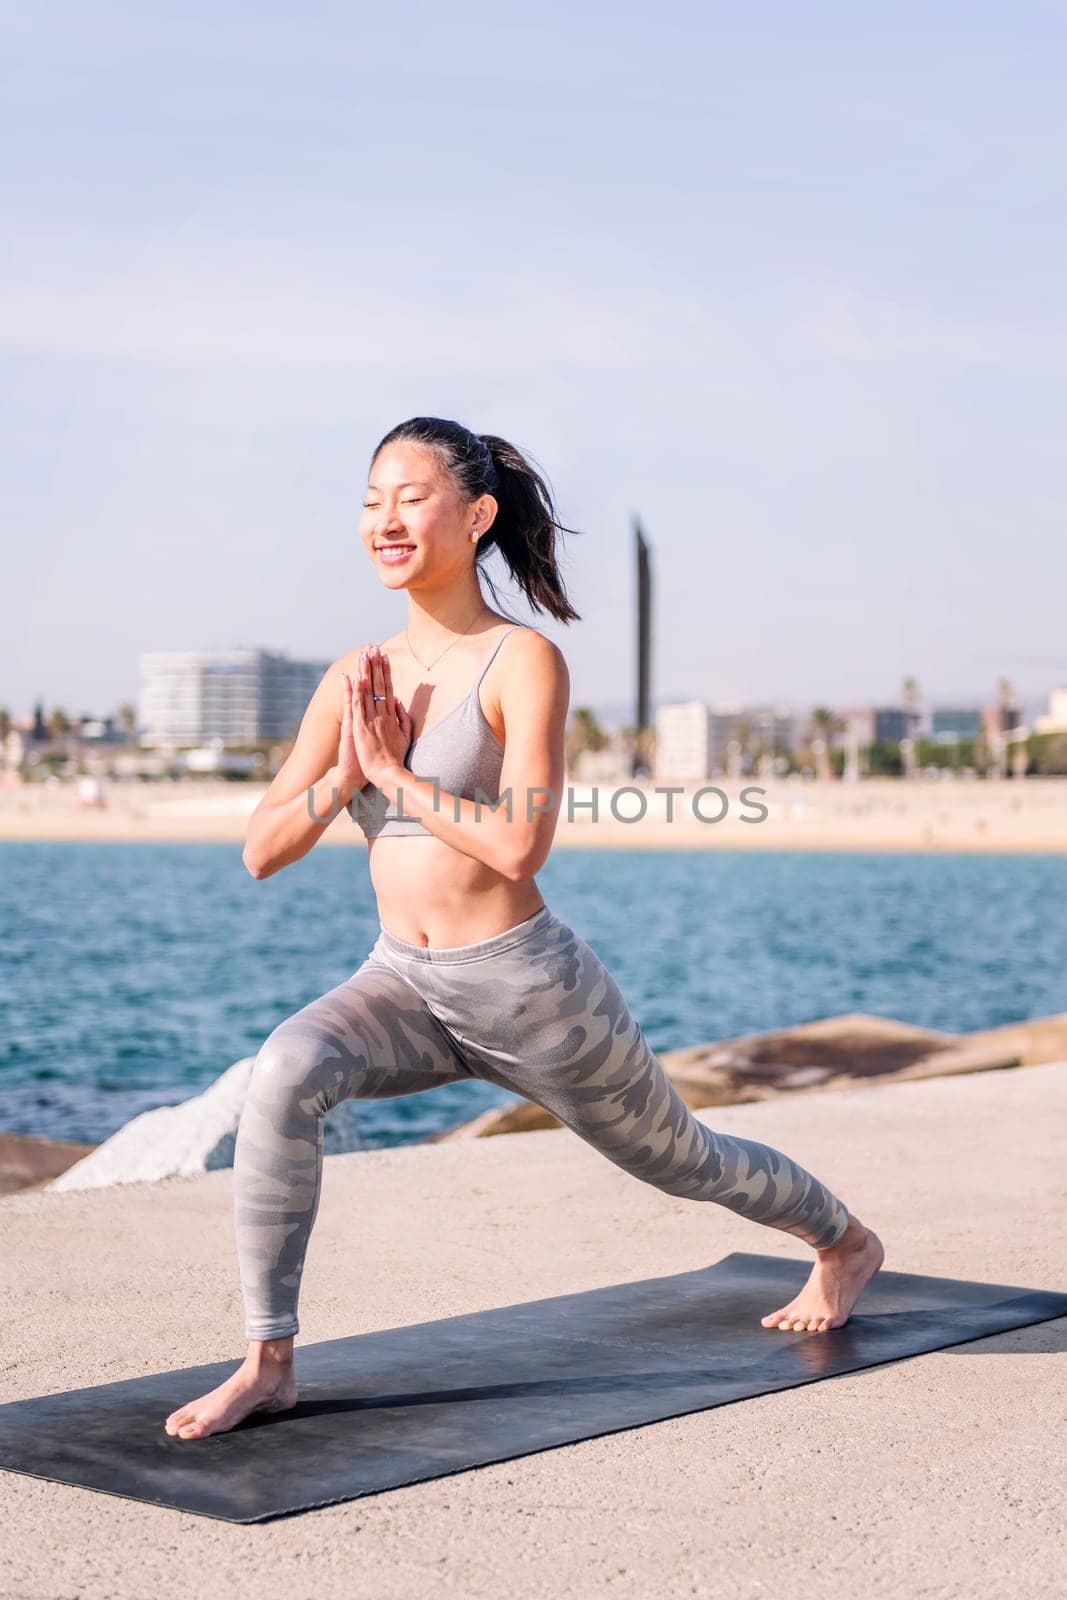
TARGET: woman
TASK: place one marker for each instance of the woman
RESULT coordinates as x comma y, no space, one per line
471,973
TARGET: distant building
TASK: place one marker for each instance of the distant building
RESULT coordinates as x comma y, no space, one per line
728,726
774,730
867,725
760,732
189,698
891,724
1054,720
214,759
951,723
100,730
683,741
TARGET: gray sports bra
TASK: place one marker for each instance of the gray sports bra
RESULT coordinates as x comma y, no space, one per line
461,751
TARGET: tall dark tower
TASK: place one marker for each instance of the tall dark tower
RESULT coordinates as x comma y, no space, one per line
643,720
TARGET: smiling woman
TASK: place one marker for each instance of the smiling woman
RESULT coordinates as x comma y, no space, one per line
438,500
451,734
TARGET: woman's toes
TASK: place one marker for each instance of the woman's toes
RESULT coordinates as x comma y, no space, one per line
193,1429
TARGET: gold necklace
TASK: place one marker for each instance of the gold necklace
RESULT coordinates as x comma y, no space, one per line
427,666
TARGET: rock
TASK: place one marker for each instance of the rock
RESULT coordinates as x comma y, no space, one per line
28,1161
196,1136
830,1053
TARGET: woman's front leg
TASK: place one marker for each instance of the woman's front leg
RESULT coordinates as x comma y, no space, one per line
370,1038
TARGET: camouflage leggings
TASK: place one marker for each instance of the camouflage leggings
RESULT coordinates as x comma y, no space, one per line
532,1009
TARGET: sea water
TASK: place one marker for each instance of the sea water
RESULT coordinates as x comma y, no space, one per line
132,975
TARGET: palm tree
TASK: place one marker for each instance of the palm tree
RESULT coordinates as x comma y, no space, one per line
583,734
997,746
824,724
58,723
910,695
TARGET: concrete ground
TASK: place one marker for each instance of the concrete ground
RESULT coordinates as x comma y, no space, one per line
938,1476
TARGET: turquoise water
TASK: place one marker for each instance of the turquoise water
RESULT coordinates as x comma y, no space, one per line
131,975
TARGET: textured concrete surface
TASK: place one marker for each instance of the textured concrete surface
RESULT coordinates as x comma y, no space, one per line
936,1476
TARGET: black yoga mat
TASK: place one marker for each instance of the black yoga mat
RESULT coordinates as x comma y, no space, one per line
379,1410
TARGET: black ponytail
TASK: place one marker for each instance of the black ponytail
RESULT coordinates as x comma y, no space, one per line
526,524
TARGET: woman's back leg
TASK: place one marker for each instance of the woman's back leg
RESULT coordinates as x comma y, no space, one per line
584,1058
559,1031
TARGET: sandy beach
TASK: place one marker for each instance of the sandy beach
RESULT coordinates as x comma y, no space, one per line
1028,815
935,1476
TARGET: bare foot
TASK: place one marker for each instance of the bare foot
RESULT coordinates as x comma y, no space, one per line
838,1276
258,1385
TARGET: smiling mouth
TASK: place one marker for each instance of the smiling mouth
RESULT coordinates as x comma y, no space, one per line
395,552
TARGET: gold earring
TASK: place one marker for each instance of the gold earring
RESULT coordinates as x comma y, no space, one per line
474,535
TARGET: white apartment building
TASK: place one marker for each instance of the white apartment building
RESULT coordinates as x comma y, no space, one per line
1054,720
190,697
683,741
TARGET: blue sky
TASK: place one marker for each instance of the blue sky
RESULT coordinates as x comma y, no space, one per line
788,281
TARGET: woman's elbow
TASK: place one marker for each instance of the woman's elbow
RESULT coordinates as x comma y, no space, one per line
522,861
256,859
253,863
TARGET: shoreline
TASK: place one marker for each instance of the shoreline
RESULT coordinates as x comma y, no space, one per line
1027,816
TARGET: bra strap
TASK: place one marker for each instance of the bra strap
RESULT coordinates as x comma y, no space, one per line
492,653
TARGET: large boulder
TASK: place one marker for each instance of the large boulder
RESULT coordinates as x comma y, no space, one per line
830,1053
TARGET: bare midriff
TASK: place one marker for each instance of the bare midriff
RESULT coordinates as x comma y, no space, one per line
432,895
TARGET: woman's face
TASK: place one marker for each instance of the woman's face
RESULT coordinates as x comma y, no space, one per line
414,524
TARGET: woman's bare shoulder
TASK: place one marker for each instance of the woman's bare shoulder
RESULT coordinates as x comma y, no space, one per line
535,646
532,659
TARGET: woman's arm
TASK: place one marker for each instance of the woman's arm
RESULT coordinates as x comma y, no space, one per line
320,775
534,695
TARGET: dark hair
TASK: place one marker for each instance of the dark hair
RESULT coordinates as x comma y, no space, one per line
525,527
